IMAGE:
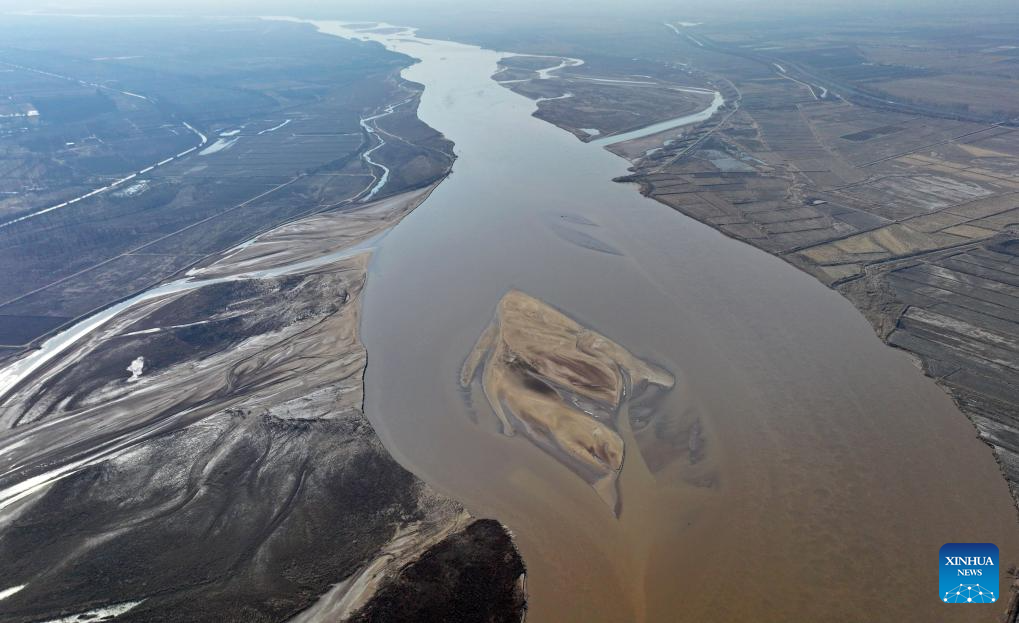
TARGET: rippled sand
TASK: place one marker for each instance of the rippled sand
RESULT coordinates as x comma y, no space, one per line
561,385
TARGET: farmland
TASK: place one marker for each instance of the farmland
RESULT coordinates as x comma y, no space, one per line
909,206
881,159
137,162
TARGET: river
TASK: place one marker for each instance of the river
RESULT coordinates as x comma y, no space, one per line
669,124
834,469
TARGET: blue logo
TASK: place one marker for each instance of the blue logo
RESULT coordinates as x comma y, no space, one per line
969,573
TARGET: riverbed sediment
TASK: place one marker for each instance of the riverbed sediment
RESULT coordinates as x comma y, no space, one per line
812,436
201,453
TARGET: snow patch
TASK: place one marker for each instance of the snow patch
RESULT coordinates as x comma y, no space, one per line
549,99
17,444
103,614
545,74
133,190
7,592
218,146
136,368
274,128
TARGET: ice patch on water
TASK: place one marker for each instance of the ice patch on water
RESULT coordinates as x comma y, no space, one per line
101,614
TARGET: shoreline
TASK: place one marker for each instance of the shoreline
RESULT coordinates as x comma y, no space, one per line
308,260
474,222
884,315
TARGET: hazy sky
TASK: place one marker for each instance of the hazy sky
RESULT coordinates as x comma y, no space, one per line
506,7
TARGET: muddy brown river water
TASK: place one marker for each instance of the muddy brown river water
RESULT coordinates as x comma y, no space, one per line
830,470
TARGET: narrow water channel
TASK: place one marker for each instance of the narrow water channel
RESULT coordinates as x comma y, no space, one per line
832,471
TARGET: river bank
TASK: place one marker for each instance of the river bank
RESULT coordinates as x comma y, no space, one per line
200,452
814,442
256,483
758,454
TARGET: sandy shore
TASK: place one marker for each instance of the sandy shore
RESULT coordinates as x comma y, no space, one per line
203,455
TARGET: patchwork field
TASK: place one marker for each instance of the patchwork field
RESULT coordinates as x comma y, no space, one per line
909,206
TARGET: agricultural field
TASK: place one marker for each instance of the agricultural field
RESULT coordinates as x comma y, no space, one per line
894,182
603,97
960,70
124,162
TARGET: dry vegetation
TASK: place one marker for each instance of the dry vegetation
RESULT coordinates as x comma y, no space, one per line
604,96
281,122
203,456
909,209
